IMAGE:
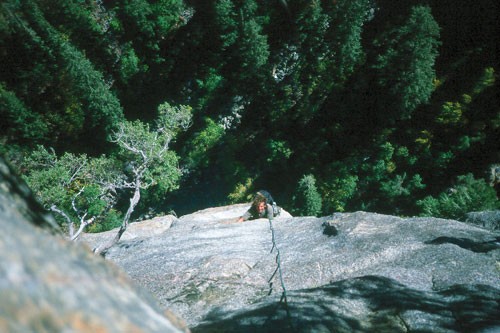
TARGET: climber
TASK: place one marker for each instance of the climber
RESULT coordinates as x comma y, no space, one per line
263,206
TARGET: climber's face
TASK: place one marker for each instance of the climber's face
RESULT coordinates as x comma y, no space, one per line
261,207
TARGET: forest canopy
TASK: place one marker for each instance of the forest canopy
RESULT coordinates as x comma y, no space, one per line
351,105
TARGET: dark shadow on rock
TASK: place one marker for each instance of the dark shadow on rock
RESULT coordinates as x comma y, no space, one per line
476,307
329,230
366,304
468,244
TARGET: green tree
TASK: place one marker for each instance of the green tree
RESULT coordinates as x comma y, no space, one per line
338,187
67,185
83,190
468,195
57,84
149,160
148,23
203,141
307,200
103,110
18,122
245,44
226,18
404,63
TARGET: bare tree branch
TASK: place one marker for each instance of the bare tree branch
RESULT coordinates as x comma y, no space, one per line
73,202
83,224
63,214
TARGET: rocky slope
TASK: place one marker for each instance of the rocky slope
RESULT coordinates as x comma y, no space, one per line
50,285
352,272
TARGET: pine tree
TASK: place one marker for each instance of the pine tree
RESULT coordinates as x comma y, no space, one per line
404,64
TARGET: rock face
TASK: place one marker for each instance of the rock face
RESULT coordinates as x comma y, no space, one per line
48,284
144,229
352,272
488,219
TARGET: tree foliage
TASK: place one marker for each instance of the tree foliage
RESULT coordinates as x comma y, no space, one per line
83,190
404,61
61,90
384,102
468,194
72,187
307,200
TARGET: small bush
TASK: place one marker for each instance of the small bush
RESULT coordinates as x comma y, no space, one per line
468,195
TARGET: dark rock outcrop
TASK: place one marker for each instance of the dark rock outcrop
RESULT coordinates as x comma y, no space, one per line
48,284
352,272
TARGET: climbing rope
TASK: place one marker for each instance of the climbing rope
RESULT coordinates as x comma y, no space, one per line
283,299
278,268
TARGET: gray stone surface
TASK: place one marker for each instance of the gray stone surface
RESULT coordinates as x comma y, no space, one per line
488,219
143,229
352,272
48,284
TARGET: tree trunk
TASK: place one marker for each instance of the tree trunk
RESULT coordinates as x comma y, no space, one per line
83,225
133,202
